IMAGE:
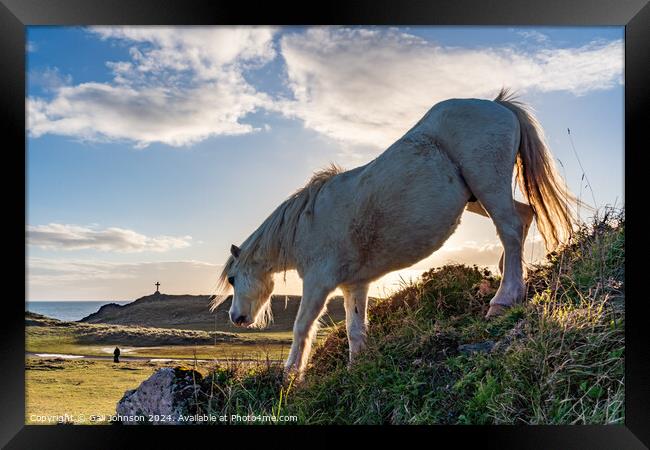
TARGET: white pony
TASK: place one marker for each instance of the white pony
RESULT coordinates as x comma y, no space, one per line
347,229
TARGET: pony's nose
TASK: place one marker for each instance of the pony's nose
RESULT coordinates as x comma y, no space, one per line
239,320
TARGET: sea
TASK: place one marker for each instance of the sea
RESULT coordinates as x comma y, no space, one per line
70,310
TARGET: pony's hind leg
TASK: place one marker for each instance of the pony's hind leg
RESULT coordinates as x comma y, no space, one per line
510,229
489,180
356,316
525,213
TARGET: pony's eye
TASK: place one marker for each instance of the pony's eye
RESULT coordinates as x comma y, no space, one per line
231,280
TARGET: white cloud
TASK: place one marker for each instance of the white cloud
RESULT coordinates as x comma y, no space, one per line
50,78
181,86
56,236
485,254
534,35
359,86
176,117
55,278
202,50
370,86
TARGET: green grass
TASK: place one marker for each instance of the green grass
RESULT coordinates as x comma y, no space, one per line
44,335
558,358
57,387
65,340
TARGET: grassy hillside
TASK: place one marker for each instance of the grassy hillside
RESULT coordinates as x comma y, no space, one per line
193,312
431,358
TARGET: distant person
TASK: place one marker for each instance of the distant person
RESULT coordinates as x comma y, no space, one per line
116,355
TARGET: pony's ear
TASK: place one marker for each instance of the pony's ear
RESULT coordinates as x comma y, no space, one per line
235,251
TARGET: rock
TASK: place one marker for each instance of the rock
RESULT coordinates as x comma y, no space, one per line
476,348
516,333
161,399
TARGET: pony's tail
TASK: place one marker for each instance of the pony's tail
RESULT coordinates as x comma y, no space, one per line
538,178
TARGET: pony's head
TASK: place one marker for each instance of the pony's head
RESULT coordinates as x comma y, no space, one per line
250,270
252,283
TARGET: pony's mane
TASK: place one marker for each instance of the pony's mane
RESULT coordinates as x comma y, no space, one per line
275,236
508,95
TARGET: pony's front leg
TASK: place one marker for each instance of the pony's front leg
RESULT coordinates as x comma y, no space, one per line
311,307
356,316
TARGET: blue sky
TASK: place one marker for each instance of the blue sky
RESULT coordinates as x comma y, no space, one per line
151,150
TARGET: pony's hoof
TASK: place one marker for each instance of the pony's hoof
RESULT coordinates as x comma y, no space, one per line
292,376
495,311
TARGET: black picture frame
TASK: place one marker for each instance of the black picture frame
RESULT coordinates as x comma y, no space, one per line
15,15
